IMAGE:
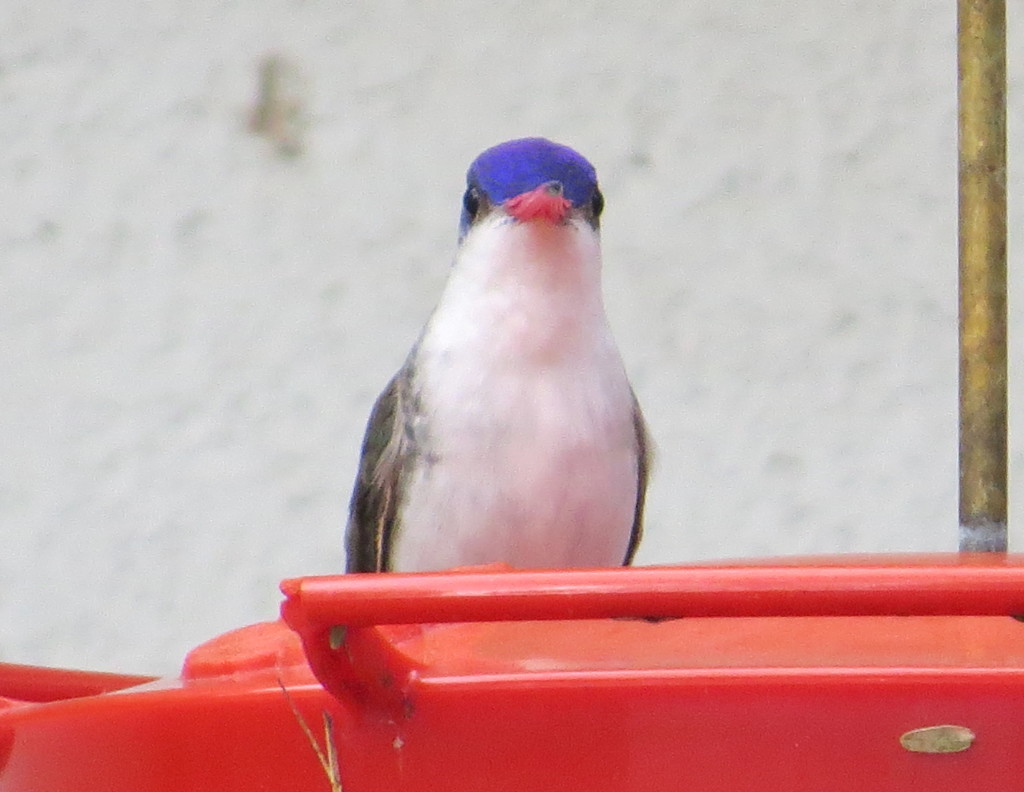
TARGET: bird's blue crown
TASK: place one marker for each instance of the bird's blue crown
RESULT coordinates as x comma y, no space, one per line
517,166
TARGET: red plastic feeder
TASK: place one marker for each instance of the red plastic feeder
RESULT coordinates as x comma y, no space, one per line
888,674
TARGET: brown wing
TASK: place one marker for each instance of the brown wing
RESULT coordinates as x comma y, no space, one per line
373,510
643,464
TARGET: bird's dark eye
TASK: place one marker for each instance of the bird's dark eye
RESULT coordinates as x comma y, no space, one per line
471,202
597,203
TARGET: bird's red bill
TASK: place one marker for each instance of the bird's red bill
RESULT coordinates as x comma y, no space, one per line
538,204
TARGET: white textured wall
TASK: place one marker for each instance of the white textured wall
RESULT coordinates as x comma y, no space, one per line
192,328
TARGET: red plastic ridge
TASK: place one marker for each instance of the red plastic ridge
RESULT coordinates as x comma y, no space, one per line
967,585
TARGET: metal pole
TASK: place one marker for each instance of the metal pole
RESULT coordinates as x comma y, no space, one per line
981,55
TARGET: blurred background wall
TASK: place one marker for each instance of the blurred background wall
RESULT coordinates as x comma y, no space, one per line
195,319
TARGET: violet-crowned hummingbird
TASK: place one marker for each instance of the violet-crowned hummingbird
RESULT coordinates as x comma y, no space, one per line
511,433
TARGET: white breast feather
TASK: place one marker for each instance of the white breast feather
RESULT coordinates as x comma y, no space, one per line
527,411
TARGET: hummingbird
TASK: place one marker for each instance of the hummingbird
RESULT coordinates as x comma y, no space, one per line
511,434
